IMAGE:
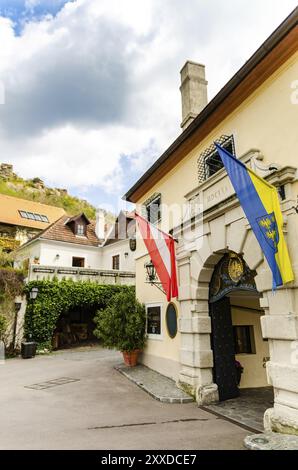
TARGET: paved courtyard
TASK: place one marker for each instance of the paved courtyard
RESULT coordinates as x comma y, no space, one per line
248,409
77,400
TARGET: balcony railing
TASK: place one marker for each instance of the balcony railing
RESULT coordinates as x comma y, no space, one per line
100,276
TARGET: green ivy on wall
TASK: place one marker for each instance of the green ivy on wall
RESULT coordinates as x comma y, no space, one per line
59,297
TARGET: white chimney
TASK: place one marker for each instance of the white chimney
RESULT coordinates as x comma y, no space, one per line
193,91
100,224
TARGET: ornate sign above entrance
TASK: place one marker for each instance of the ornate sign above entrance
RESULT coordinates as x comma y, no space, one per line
235,268
231,273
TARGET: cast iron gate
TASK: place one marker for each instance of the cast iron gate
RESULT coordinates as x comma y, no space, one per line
224,369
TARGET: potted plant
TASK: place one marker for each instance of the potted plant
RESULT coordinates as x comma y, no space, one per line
239,371
122,326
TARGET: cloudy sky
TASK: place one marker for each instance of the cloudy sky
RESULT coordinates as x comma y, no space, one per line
91,87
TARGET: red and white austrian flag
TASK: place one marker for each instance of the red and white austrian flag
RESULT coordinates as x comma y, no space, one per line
161,248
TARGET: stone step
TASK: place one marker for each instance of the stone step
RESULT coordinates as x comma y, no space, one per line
158,386
271,441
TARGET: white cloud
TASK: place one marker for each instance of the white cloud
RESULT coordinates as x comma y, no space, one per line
101,80
72,156
29,4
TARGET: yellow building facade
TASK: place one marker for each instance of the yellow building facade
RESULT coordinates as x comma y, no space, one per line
225,291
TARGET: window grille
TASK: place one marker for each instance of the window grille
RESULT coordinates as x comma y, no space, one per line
209,161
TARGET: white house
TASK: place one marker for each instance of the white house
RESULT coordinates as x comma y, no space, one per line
75,247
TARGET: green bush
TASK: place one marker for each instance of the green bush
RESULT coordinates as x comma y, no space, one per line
122,324
59,297
11,283
6,259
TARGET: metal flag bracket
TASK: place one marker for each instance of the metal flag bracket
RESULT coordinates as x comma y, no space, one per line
296,207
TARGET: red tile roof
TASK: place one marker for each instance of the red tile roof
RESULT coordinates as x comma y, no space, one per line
59,231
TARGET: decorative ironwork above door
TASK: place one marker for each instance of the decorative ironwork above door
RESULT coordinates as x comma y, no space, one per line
231,273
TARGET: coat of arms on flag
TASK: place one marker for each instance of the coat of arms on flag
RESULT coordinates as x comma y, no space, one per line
260,203
269,229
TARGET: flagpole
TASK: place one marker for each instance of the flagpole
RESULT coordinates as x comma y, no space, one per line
162,231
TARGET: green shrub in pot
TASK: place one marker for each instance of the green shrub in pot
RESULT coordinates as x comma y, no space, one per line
122,324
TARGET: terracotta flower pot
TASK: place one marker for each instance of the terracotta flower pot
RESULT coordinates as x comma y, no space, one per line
131,357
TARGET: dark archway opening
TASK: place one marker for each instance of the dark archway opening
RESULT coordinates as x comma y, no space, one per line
239,351
75,328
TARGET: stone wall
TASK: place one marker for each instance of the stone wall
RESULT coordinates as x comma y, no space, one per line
16,320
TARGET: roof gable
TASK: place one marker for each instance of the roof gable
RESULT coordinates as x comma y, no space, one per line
61,231
79,219
123,228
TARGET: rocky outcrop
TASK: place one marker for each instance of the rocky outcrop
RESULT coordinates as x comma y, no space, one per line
6,171
35,189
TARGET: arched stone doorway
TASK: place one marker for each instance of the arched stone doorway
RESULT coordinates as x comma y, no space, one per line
236,338
223,228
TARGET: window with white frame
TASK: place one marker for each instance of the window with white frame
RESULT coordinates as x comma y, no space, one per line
33,216
80,230
154,321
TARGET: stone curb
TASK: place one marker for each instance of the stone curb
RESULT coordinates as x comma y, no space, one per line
271,441
232,420
162,399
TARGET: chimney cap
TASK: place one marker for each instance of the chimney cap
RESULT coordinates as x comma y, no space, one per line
100,211
192,62
193,91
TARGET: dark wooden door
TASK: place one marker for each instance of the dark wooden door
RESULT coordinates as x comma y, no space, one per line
223,349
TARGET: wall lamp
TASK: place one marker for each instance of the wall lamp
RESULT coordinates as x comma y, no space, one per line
17,306
33,293
152,276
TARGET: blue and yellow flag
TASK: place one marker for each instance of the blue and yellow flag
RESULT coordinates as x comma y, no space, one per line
260,203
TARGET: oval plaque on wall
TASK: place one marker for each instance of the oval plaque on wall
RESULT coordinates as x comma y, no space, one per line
171,320
132,244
